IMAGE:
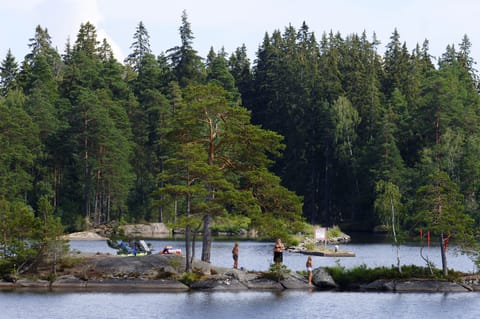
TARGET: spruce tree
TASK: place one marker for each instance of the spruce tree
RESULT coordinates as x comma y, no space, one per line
187,65
8,74
140,47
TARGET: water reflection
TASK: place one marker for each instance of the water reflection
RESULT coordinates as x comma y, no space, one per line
233,305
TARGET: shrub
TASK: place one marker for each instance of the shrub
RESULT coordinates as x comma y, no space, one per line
190,277
334,232
70,261
361,274
310,245
276,272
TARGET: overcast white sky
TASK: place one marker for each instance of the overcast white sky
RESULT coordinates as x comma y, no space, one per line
229,24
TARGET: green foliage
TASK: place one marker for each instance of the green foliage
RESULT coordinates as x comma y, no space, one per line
276,272
310,246
231,224
440,209
190,277
362,274
334,232
28,240
18,143
69,262
17,227
328,132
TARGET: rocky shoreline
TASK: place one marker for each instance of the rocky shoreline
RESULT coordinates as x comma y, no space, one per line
149,230
164,273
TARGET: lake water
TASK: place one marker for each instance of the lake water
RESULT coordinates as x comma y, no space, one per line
239,305
259,256
255,304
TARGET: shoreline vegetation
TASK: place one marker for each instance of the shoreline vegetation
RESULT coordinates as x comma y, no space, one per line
80,271
104,272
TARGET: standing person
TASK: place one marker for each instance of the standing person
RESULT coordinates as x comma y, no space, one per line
235,255
309,265
278,251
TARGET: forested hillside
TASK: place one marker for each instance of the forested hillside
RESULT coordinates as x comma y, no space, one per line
328,123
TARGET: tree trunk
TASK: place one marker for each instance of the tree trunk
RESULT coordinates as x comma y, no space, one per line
326,192
207,238
188,265
444,255
87,171
395,235
56,177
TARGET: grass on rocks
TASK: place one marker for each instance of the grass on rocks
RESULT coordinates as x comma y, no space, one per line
362,274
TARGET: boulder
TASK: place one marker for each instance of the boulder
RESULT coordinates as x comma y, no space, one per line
294,281
152,230
416,285
429,286
5,285
378,285
241,275
322,279
29,283
68,282
264,284
84,235
115,284
156,266
219,282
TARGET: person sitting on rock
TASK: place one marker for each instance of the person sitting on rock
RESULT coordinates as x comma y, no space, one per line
166,250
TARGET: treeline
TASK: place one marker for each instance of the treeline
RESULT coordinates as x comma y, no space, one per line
161,137
354,120
157,138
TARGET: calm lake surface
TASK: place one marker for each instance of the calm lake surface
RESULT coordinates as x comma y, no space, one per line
253,305
369,251
239,305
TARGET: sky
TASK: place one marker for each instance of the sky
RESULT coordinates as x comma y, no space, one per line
230,24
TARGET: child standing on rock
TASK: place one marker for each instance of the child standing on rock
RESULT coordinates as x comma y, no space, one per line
309,265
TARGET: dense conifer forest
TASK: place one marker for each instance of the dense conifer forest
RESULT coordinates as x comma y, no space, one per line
322,129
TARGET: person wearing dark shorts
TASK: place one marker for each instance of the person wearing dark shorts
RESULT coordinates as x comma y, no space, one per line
235,255
278,251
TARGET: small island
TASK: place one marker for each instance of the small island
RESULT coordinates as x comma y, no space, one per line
324,248
157,272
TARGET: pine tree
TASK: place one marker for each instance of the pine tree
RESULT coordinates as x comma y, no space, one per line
440,209
99,132
231,148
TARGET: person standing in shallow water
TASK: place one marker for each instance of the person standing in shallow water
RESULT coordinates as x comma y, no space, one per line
278,251
235,255
309,265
